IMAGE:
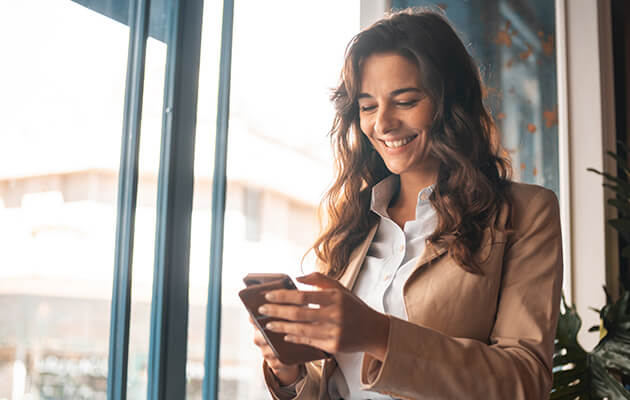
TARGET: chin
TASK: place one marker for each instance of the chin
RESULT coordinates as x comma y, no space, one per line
397,170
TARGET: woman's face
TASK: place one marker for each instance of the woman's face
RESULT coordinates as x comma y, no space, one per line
395,113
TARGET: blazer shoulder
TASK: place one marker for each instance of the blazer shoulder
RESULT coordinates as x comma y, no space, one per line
525,196
532,207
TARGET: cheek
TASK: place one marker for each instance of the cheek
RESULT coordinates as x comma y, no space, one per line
364,131
430,114
424,117
423,120
365,126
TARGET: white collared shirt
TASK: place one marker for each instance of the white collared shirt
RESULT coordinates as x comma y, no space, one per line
390,260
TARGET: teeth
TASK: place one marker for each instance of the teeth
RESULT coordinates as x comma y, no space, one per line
398,143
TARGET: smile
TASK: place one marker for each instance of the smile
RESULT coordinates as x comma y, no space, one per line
394,144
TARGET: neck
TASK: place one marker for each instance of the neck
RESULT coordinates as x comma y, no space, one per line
411,183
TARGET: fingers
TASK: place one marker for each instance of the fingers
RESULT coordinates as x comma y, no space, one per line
299,313
265,349
320,280
277,366
321,336
271,359
259,339
313,331
301,297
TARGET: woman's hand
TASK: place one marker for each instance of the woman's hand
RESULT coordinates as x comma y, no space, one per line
286,374
342,323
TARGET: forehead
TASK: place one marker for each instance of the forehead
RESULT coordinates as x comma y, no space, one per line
382,73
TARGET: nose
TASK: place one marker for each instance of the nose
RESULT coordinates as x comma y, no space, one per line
386,120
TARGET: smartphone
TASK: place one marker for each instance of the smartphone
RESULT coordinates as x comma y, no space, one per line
253,296
257,279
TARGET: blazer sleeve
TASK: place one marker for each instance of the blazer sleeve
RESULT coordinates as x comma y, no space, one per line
516,363
308,388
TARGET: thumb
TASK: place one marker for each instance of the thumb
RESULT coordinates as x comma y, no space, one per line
320,280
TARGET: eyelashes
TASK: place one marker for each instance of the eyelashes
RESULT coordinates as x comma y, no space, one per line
402,104
407,103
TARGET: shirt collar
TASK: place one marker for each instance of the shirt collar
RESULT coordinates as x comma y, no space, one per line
384,191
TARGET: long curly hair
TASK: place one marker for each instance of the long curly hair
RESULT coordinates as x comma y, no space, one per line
474,172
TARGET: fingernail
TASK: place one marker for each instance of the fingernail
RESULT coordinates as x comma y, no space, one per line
270,326
270,296
263,309
289,338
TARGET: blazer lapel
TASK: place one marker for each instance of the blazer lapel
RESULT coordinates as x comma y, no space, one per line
430,253
356,260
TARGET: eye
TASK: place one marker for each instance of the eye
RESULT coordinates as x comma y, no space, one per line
366,108
409,103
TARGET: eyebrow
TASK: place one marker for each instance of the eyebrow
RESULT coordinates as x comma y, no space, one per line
394,93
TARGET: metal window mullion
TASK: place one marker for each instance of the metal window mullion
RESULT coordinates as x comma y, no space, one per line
213,318
126,204
169,306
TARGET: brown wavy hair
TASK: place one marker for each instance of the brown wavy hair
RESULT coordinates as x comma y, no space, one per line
473,174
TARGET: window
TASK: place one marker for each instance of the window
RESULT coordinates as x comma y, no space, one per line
62,100
252,207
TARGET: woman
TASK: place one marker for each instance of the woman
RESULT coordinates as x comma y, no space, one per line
440,278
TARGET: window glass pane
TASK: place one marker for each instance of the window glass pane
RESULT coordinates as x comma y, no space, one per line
63,80
202,195
279,160
514,45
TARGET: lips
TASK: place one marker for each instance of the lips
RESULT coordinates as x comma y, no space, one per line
395,144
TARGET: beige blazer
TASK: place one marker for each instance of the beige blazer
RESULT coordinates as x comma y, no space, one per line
470,336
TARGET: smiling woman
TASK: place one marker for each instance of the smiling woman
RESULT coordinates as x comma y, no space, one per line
437,272
411,75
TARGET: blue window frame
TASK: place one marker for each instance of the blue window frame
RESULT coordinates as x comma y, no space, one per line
127,196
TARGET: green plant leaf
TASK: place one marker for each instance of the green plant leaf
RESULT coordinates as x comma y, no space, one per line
613,350
622,183
622,225
621,160
578,374
622,205
571,373
603,384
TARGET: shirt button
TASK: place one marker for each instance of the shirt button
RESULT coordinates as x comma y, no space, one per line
401,248
386,277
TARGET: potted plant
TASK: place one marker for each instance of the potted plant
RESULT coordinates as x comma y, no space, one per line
603,373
